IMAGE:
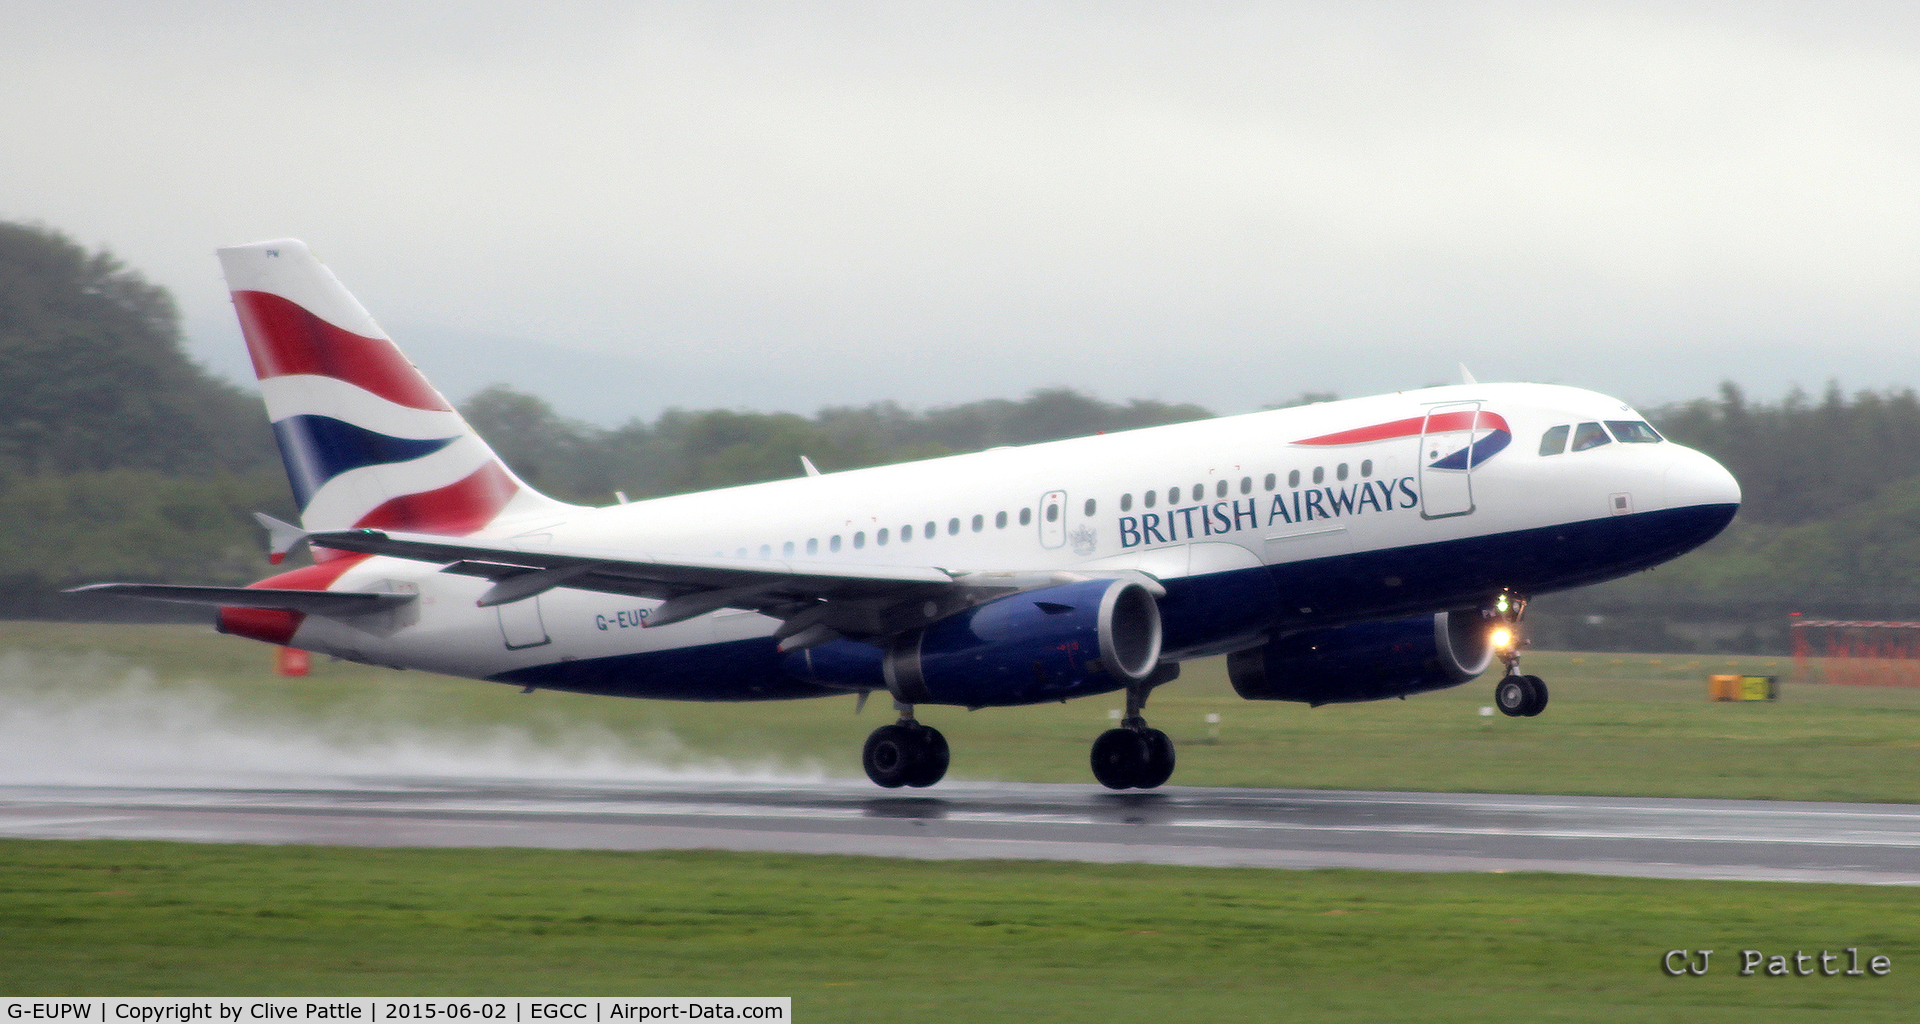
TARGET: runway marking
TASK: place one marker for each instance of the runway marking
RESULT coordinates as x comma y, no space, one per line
1274,828
8,822
258,802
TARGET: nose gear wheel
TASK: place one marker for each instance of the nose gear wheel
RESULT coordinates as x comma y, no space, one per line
1516,695
1520,696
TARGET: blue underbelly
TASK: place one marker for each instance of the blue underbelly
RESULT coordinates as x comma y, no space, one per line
1200,614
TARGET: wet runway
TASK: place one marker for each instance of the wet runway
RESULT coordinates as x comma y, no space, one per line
1870,843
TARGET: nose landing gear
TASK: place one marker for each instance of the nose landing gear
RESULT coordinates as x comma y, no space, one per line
905,753
1520,696
1516,695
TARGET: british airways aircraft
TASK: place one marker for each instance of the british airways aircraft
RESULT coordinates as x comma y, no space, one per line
1346,551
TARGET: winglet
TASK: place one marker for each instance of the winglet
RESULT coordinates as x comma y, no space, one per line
281,537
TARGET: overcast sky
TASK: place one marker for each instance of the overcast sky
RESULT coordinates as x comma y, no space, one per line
625,207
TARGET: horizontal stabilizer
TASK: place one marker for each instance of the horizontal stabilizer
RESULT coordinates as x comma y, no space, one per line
337,604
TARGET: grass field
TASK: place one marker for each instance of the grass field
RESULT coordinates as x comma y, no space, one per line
860,939
1617,725
857,939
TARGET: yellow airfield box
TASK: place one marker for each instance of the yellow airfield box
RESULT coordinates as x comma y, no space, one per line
1743,687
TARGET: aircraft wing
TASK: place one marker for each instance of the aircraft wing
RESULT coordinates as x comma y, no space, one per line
844,600
316,602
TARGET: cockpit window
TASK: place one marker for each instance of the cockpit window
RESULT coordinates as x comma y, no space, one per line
1589,435
1554,441
1633,432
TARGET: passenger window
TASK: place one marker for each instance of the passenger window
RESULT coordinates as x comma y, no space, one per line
1220,489
766,551
906,533
1199,492
1340,472
979,523
1270,481
953,526
1319,474
1554,441
1089,508
930,531
881,537
786,550
834,544
1000,520
1366,468
1026,516
813,545
1293,479
1633,432
1149,499
1126,503
742,553
1589,435
1246,485
860,540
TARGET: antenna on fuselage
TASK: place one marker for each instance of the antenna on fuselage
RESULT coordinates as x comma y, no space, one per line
807,464
1466,375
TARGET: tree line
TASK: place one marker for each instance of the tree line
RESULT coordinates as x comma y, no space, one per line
684,450
121,459
1829,525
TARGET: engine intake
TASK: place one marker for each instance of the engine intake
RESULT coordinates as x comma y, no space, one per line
1365,661
1064,641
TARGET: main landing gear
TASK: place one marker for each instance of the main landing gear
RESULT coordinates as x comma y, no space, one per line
1135,756
905,753
1516,695
1132,756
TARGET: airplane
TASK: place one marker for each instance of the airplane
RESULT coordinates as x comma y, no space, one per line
1344,551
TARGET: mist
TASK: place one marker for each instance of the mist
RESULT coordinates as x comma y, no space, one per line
94,721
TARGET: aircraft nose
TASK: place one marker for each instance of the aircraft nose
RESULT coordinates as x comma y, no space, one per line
1695,479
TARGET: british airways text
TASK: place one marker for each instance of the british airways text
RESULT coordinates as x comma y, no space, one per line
1176,524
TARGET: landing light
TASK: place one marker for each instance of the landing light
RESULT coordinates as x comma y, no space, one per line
1502,638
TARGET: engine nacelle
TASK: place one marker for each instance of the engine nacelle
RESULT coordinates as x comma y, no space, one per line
1365,661
1064,641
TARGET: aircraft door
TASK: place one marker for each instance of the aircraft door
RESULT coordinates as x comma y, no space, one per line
521,625
1053,519
1446,465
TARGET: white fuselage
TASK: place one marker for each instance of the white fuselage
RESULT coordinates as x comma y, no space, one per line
1303,533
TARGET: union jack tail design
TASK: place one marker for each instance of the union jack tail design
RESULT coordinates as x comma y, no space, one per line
366,440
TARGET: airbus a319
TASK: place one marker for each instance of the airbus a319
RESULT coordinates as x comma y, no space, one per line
1346,551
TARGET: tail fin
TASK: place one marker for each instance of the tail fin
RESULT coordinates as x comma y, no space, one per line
365,439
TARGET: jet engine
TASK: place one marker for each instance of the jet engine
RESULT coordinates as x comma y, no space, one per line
1069,640
1365,661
